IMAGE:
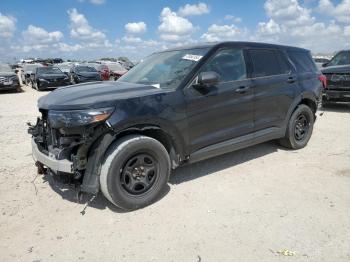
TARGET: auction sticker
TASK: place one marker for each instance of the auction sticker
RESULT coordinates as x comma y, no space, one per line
192,57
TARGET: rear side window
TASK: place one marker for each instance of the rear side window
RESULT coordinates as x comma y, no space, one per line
268,63
303,61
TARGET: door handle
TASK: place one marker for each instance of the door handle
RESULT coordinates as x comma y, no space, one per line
242,89
291,80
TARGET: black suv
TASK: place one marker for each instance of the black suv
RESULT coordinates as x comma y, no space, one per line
177,106
337,72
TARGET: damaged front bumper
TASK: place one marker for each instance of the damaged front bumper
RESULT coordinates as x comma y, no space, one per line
56,165
73,152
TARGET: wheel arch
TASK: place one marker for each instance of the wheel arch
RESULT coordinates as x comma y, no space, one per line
170,141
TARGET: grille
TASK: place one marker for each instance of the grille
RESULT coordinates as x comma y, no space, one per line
4,79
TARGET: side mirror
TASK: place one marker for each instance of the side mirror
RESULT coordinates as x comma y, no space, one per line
208,79
325,64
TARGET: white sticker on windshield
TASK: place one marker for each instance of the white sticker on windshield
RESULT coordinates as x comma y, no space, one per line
192,57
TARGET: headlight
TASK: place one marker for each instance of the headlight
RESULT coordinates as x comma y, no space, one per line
42,80
72,118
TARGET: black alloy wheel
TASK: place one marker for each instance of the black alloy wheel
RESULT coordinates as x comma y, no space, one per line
139,173
301,127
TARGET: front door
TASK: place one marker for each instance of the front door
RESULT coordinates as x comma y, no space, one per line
225,110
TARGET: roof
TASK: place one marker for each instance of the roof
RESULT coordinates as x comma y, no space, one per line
233,43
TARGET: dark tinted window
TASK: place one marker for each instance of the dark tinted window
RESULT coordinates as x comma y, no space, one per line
268,63
342,58
303,61
229,64
285,66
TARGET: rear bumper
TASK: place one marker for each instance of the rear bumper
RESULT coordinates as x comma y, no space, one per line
336,95
51,162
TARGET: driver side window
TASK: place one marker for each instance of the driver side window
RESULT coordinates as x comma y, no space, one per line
228,64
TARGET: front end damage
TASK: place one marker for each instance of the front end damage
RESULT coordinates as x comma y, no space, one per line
74,153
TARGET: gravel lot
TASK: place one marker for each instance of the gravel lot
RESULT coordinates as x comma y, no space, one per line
243,206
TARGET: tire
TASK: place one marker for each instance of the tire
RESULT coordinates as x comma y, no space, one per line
119,169
72,80
299,129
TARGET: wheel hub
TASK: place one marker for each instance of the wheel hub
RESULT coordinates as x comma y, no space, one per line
139,173
301,127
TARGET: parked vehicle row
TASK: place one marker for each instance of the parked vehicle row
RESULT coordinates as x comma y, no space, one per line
43,77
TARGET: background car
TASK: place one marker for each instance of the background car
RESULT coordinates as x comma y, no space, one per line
64,67
28,72
49,77
116,70
8,78
84,73
337,72
102,69
320,61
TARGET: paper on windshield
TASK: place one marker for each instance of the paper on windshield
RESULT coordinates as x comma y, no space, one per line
156,85
192,57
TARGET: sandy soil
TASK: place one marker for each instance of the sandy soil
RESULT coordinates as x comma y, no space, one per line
243,206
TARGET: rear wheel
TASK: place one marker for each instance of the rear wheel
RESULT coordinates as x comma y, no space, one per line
135,172
299,129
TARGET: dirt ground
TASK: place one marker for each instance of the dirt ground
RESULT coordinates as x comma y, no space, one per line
252,205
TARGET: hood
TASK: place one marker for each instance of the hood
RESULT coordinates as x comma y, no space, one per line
7,74
52,76
336,69
94,95
88,74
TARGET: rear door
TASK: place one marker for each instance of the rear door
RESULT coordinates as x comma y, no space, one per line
275,86
225,110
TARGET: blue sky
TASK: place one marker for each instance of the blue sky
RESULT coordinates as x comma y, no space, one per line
94,28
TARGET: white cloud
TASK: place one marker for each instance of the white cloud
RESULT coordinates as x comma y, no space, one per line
174,27
269,28
196,9
132,39
7,26
233,18
136,28
80,29
38,35
288,12
340,12
97,2
223,32
289,22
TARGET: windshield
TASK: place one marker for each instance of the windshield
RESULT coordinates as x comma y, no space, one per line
115,67
31,67
85,69
166,69
5,68
342,58
49,70
64,67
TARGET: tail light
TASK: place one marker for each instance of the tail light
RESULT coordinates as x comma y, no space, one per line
323,80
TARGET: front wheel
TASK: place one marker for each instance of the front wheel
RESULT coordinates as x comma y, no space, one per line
299,129
135,172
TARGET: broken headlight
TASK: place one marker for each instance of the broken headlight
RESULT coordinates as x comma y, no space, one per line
73,118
